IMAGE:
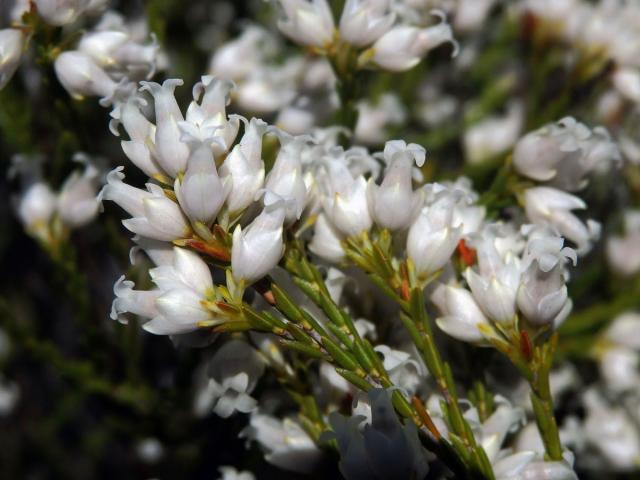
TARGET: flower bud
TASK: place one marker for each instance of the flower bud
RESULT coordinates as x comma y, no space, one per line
244,167
364,21
162,219
326,241
285,178
461,314
36,205
61,12
11,44
402,47
201,193
258,248
171,153
81,76
309,23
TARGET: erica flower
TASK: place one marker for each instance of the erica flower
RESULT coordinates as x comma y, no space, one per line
364,21
11,43
309,23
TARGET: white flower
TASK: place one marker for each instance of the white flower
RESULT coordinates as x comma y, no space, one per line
230,473
364,21
493,136
244,167
623,252
394,204
286,444
80,75
384,448
461,315
308,23
36,205
495,282
432,238
471,14
345,200
542,295
77,204
285,178
170,152
234,370
238,58
563,153
552,206
61,12
627,82
201,193
326,242
258,248
402,47
374,119
11,44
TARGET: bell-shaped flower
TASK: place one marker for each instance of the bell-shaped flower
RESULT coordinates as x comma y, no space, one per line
553,206
564,153
11,44
433,237
286,179
394,204
170,152
495,282
384,448
461,317
285,443
36,205
309,23
364,21
200,192
542,295
375,119
238,58
494,135
81,76
402,47
244,166
258,248
345,200
209,117
77,204
136,302
326,242
117,50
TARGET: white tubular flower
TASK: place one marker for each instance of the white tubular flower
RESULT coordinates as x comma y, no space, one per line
36,205
128,300
495,283
542,295
77,204
244,167
619,368
552,206
141,134
471,14
384,448
462,318
627,82
238,58
433,237
345,200
235,370
402,47
170,152
625,330
258,248
286,444
230,473
11,44
129,198
81,76
564,153
209,118
286,179
375,119
201,193
326,241
309,23
183,286
61,12
364,21
623,252
394,204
